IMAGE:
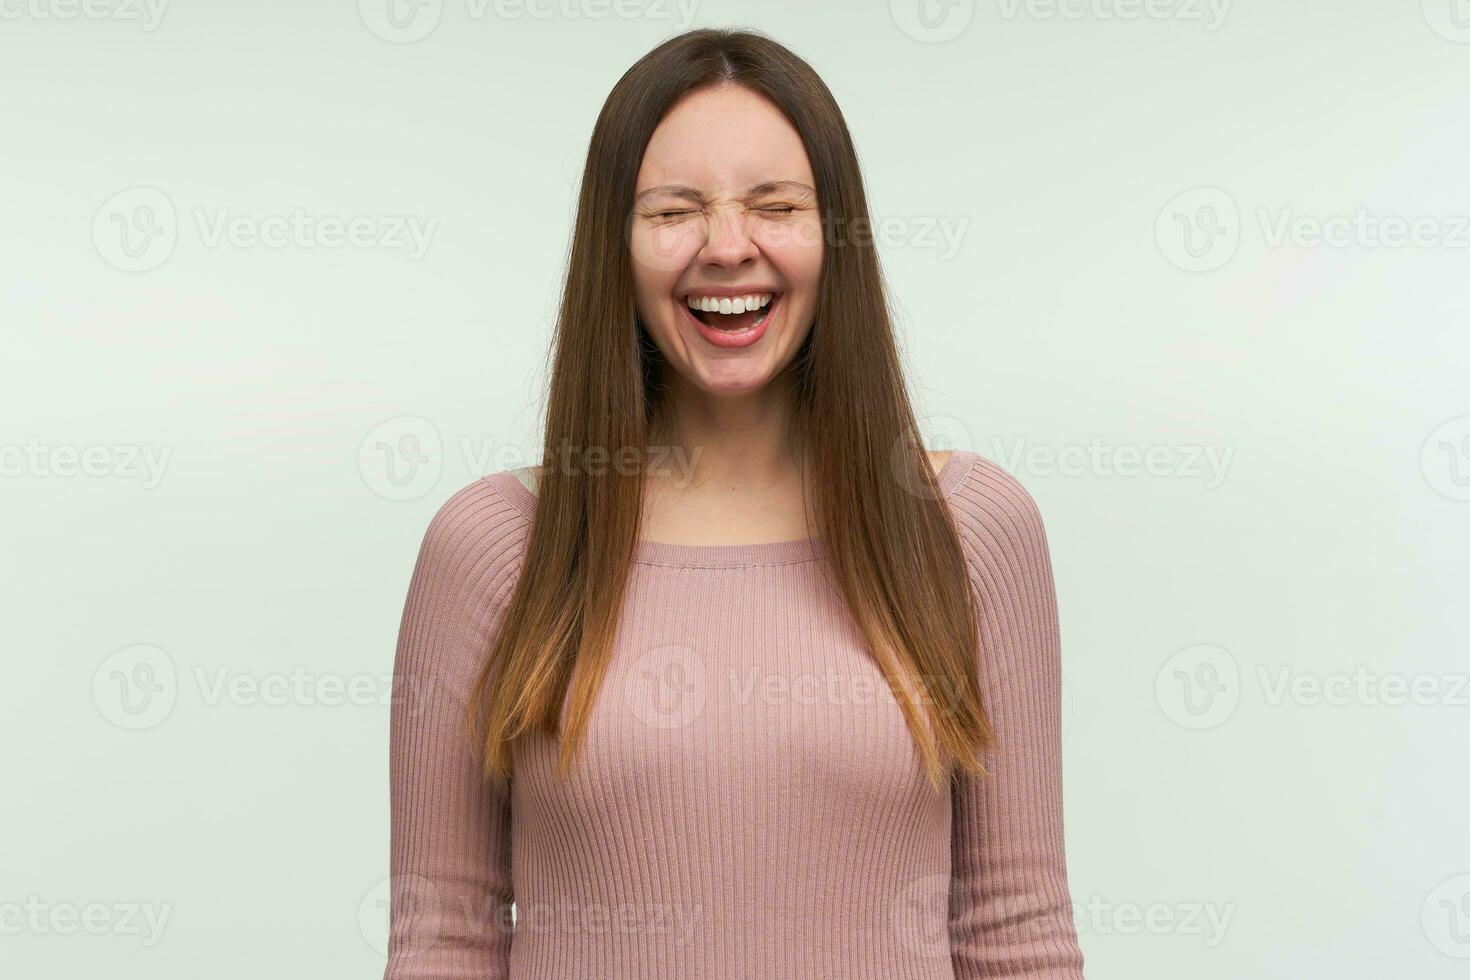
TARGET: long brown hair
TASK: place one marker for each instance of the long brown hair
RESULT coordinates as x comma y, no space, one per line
890,541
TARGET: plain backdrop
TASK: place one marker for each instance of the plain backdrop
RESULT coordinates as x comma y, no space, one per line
276,279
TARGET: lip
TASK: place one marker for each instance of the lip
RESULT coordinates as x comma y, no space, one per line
724,338
746,290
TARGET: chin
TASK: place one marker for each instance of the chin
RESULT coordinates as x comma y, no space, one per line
733,383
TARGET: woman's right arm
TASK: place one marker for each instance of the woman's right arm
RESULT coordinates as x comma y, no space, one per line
450,830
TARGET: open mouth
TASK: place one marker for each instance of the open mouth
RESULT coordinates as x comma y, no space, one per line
731,320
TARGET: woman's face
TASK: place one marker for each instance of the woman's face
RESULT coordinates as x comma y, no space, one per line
725,210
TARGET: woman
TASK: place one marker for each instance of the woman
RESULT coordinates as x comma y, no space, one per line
701,694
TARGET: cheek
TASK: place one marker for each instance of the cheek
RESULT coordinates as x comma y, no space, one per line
796,249
661,253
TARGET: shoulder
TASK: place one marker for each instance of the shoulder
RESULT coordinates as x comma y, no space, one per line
474,540
997,517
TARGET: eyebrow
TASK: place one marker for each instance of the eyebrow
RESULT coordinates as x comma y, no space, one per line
689,193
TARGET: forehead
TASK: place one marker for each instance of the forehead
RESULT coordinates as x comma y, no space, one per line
723,140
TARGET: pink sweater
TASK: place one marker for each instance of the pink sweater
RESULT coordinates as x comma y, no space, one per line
749,804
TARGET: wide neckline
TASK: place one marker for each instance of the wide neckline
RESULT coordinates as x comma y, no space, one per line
950,475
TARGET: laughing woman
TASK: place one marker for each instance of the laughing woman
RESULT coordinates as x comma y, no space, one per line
740,681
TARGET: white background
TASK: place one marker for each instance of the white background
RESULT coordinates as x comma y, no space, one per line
1130,267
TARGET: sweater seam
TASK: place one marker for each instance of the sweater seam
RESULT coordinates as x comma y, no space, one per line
946,495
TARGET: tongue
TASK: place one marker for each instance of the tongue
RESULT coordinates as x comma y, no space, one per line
731,321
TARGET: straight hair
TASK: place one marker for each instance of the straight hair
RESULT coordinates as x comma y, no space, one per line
891,545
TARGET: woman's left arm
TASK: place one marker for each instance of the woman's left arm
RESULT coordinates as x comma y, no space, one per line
1011,909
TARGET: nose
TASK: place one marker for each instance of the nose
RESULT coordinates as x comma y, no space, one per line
728,242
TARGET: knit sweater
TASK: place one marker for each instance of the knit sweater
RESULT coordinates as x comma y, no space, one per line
749,802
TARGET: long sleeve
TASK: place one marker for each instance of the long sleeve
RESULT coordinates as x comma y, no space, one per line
1011,910
450,829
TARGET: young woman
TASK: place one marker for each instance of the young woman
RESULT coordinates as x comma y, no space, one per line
739,681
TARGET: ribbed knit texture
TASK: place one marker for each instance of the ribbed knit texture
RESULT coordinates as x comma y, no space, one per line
750,803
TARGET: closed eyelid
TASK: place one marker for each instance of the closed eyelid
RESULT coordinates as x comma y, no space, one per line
679,192
677,210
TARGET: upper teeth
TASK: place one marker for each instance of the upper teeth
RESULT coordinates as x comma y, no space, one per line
728,304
